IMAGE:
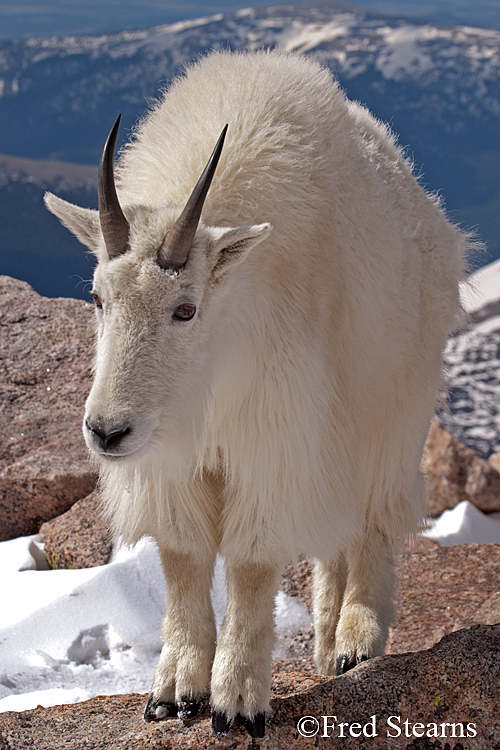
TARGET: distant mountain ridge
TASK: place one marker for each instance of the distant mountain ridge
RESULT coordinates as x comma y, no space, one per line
451,69
49,171
438,86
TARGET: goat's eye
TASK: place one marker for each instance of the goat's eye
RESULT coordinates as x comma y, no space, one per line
97,299
184,312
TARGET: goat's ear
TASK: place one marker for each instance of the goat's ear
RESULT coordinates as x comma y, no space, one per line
83,222
230,246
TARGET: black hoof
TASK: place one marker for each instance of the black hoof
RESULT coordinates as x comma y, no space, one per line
159,710
187,708
344,663
220,723
255,727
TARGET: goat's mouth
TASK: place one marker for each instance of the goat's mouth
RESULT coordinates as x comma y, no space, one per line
112,440
110,456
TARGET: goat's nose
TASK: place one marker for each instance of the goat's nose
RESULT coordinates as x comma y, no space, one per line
108,436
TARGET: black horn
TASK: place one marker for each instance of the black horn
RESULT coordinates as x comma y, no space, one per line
176,246
114,225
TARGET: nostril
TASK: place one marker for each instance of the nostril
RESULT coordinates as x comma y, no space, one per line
109,437
96,428
113,438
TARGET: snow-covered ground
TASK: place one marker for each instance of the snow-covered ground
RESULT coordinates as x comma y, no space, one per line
68,635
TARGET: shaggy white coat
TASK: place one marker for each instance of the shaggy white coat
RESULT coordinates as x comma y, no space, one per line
290,416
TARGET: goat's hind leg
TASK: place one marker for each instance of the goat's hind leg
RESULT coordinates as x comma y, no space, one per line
353,603
368,605
330,578
182,676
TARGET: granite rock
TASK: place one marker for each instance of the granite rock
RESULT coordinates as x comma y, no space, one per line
45,363
494,459
297,580
447,695
455,473
78,538
444,589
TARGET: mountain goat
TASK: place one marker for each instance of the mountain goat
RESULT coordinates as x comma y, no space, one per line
263,389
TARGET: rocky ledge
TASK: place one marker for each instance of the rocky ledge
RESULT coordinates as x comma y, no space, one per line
445,698
45,364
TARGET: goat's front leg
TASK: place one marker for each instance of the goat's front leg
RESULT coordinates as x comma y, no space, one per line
182,675
241,674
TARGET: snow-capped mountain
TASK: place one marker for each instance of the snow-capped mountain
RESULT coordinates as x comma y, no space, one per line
438,86
78,74
442,74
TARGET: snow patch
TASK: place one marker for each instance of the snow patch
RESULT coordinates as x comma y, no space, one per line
402,50
68,635
483,287
45,698
302,37
465,524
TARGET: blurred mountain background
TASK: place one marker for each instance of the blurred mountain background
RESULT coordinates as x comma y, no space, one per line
431,70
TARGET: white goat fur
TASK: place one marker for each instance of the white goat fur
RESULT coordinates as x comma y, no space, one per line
290,416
